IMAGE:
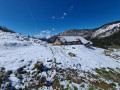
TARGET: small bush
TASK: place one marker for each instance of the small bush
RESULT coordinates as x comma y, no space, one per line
119,83
71,54
113,84
39,66
75,88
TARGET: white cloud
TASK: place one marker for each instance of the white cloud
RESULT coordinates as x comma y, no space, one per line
44,33
62,17
71,7
48,32
39,35
53,17
53,29
48,36
64,14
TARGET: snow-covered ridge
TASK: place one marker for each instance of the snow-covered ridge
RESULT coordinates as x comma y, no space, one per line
100,32
8,39
103,30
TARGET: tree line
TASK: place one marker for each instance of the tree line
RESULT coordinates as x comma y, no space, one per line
111,41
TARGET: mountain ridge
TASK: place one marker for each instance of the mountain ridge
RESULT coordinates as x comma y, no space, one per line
93,33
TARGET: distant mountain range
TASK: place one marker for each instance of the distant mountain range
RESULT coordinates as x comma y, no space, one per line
101,32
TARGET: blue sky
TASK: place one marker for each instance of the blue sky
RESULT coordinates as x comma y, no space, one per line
38,17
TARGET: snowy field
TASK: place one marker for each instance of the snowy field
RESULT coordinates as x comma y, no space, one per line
16,51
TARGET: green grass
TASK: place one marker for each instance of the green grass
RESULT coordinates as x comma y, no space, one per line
75,88
117,47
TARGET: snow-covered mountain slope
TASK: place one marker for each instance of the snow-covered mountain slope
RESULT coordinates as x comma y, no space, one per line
9,40
106,30
100,32
20,55
86,33
15,47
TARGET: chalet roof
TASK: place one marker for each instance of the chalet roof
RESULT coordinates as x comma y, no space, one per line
73,39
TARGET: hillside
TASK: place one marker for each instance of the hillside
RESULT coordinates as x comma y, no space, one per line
27,63
86,33
4,29
100,32
110,41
